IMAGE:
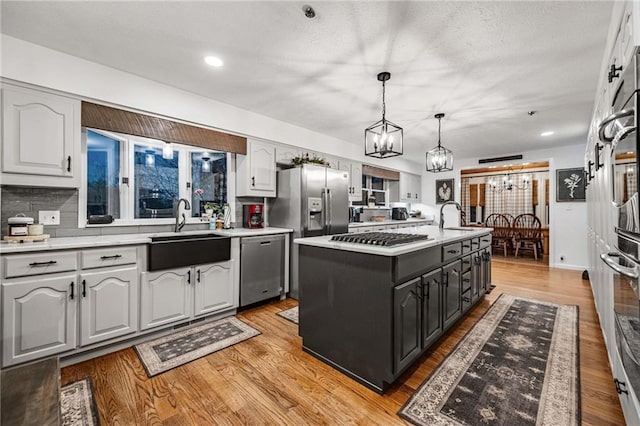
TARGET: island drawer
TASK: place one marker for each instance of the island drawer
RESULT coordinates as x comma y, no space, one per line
467,247
40,263
451,251
475,243
466,263
100,258
485,241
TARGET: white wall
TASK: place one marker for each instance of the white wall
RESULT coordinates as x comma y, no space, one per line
34,64
568,221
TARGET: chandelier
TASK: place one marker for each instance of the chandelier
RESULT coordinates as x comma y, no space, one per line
439,159
383,139
509,182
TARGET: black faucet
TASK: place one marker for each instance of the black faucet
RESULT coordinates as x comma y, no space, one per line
458,206
187,206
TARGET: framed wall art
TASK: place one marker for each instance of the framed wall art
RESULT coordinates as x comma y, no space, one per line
444,190
570,185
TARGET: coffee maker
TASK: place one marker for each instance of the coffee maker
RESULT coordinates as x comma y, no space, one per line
354,214
253,216
399,213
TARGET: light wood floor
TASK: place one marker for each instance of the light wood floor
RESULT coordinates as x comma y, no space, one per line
269,380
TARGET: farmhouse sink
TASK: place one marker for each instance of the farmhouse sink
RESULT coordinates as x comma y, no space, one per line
175,251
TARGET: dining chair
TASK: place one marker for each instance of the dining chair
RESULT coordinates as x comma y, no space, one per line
501,234
527,233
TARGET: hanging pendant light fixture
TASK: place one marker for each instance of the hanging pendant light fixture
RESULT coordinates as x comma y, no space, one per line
384,138
439,159
167,151
206,165
150,158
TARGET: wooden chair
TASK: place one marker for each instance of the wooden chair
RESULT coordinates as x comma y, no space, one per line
501,234
463,218
527,233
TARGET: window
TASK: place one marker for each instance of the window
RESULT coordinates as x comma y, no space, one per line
103,175
128,178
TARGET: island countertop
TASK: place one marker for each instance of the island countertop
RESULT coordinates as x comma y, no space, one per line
437,237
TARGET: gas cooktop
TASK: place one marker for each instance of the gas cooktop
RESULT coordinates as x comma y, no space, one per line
380,238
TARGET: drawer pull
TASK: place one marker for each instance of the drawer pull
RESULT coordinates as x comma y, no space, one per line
466,280
466,299
51,262
474,243
452,251
485,241
265,243
466,246
115,256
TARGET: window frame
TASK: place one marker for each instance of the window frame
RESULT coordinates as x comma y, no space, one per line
127,170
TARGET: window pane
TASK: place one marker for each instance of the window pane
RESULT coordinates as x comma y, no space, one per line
156,183
103,175
209,180
364,181
377,183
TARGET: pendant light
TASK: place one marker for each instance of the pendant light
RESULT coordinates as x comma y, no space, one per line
167,151
206,165
439,159
384,138
150,158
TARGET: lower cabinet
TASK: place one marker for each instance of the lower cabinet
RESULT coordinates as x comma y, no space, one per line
431,307
38,317
407,320
109,304
452,286
179,294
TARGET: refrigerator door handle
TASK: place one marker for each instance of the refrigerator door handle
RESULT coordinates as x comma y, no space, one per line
324,211
329,211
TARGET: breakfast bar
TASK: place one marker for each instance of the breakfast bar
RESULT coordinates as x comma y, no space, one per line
372,303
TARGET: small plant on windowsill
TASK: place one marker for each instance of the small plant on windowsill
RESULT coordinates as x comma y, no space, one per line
305,159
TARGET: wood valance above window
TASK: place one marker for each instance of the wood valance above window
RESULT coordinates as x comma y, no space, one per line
380,172
131,123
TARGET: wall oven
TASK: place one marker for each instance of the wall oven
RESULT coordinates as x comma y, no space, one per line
619,130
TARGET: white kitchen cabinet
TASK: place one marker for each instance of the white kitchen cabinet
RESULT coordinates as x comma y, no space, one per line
410,188
179,294
40,138
108,304
165,297
214,289
38,317
256,171
355,179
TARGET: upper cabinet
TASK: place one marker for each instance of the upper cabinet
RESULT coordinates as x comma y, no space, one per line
40,138
410,188
355,179
256,171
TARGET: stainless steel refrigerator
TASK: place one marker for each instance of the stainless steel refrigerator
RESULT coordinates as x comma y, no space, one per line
312,200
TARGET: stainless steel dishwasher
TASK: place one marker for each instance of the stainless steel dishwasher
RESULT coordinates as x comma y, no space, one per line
261,268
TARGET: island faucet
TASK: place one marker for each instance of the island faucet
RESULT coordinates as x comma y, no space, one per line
458,206
187,206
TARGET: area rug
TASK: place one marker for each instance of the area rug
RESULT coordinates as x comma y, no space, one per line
176,349
77,407
519,365
290,314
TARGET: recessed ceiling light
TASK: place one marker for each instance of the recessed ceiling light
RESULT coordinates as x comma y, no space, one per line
549,133
214,61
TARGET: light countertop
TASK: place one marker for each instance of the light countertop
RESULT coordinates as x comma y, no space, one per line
125,239
439,237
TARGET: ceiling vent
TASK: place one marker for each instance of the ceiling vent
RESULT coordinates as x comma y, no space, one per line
498,159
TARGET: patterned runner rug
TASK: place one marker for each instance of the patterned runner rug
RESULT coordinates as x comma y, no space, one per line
290,314
519,365
175,349
77,407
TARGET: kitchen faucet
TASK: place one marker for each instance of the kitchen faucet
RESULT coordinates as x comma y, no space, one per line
458,206
187,206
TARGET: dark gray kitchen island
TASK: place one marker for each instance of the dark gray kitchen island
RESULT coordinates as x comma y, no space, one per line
370,311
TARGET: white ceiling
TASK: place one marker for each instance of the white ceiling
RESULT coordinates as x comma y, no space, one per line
484,64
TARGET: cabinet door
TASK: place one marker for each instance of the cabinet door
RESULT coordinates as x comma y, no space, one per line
451,278
40,133
262,166
416,188
166,297
355,177
38,317
406,323
109,304
405,187
214,288
431,307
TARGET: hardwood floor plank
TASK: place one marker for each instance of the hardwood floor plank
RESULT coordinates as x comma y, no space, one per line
269,379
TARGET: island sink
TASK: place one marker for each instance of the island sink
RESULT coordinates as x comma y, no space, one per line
174,251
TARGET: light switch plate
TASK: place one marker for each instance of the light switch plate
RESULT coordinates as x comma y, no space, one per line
49,217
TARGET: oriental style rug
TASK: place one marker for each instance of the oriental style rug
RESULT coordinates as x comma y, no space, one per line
519,365
290,314
176,349
77,407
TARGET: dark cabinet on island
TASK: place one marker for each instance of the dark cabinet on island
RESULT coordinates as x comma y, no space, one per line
371,311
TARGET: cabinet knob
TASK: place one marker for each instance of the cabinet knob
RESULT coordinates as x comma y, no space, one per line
613,72
84,288
253,181
621,387
69,163
71,295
